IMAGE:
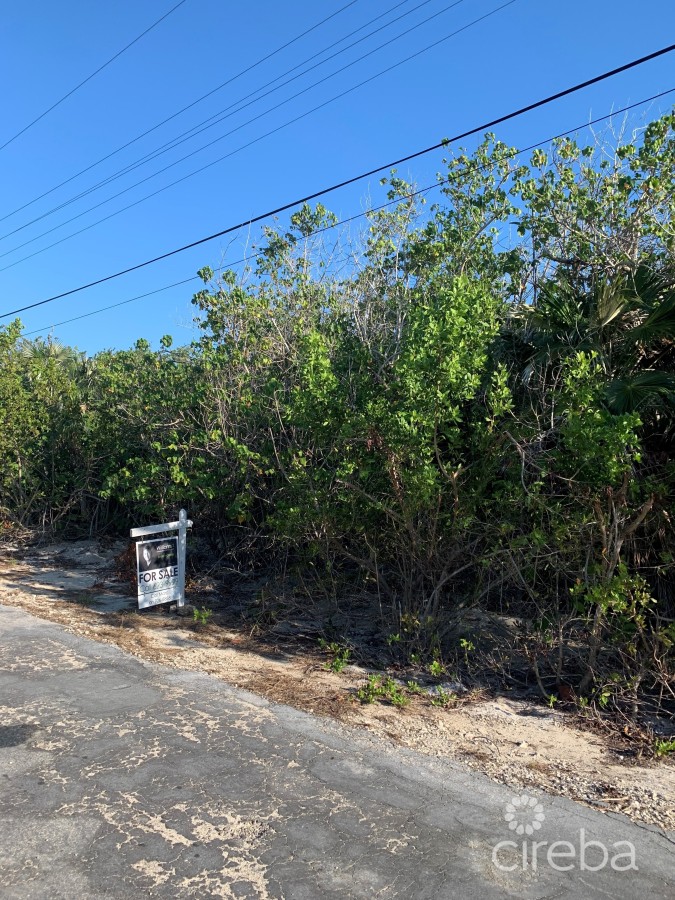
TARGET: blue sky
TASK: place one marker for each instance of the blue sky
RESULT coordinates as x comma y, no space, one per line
511,58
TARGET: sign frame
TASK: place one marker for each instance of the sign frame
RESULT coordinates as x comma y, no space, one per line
181,526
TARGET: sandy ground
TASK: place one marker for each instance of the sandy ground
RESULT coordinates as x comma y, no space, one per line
514,742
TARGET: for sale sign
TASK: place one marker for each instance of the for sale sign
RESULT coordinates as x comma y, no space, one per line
158,572
160,562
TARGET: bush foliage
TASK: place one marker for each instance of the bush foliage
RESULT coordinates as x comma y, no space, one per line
469,405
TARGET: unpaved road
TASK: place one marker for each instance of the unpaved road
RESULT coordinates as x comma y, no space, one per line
123,778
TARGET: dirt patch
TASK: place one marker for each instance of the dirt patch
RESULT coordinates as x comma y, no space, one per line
511,740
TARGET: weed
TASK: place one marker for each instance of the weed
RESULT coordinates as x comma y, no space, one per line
384,689
370,691
443,697
200,617
468,647
339,655
663,748
436,668
414,687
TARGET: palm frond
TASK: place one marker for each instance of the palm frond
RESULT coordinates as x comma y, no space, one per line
659,324
638,391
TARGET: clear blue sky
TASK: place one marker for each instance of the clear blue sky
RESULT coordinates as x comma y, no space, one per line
514,57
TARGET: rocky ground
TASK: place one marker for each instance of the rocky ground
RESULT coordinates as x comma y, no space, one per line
514,740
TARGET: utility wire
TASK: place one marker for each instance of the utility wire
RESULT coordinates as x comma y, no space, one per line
93,75
438,184
237,149
236,107
204,126
180,111
320,193
222,137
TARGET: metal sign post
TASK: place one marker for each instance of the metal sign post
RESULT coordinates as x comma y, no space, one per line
183,525
160,563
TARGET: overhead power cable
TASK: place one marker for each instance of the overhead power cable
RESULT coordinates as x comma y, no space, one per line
485,126
93,75
236,107
180,111
437,184
237,149
218,117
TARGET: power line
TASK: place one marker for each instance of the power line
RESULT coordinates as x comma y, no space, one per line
320,193
438,184
197,129
180,111
93,75
238,149
222,137
234,108
114,305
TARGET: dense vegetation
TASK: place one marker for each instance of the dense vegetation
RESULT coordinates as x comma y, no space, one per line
469,407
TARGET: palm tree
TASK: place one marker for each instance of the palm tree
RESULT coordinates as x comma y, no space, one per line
628,321
41,351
